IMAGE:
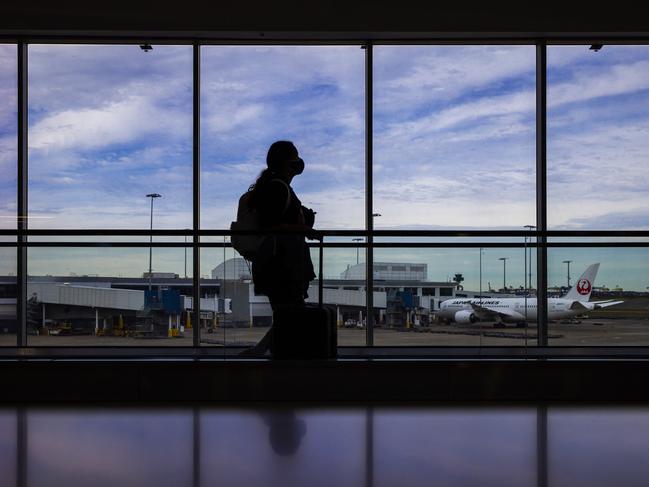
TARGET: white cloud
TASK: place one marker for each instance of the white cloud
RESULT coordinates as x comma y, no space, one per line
408,77
591,83
126,121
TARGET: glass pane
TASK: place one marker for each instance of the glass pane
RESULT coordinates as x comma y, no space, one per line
599,296
455,297
492,447
241,319
247,315
598,447
109,447
283,447
344,290
454,136
109,125
598,127
107,297
252,96
8,323
8,135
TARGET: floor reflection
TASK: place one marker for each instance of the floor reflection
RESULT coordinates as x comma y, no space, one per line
351,446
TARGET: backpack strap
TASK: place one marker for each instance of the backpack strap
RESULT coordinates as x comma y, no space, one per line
288,196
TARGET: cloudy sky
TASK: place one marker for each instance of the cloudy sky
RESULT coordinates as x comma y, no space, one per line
454,136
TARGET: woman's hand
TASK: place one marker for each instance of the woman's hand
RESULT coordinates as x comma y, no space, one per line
309,216
313,234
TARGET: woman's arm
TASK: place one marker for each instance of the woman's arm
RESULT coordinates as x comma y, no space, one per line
309,232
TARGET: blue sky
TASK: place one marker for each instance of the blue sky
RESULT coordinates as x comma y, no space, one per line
454,135
8,144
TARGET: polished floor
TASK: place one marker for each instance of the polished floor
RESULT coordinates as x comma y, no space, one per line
382,446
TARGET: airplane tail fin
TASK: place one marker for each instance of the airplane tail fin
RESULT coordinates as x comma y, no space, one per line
584,285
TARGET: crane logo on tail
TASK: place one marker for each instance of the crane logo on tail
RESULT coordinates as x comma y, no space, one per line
584,286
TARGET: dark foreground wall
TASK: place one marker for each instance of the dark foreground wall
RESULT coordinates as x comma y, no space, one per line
342,380
318,16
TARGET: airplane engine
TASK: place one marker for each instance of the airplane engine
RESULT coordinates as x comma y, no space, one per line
465,317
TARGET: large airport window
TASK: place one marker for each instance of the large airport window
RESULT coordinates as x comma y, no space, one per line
598,119
313,96
452,155
454,131
109,125
8,139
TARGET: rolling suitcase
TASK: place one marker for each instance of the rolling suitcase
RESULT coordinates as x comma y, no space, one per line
305,332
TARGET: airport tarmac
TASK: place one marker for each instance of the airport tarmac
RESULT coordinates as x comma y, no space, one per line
586,332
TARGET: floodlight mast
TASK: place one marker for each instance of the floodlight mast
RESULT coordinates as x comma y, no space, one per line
568,276
504,259
152,196
528,277
357,240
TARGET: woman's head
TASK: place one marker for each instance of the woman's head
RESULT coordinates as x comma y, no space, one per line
282,161
283,155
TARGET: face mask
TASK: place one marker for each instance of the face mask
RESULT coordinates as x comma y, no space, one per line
297,166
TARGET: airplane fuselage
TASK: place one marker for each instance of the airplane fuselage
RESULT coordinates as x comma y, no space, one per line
513,310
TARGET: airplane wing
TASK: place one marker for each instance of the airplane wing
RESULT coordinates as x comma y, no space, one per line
485,313
591,305
605,304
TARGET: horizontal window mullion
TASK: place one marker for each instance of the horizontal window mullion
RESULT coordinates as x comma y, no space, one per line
337,233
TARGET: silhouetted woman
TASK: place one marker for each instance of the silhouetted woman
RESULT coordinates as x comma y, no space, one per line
282,268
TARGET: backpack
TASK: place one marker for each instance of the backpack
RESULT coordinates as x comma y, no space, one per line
248,219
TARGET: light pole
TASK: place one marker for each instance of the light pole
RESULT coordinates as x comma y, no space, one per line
480,286
528,269
187,229
357,240
568,262
527,278
152,196
504,259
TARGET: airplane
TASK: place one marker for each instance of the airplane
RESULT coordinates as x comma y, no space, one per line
513,310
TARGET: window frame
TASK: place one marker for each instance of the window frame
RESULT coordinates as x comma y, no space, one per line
541,236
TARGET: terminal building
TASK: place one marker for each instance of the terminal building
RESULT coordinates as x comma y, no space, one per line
158,305
403,297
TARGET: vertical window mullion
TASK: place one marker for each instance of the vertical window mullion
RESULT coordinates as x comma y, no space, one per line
21,207
369,204
541,193
196,168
